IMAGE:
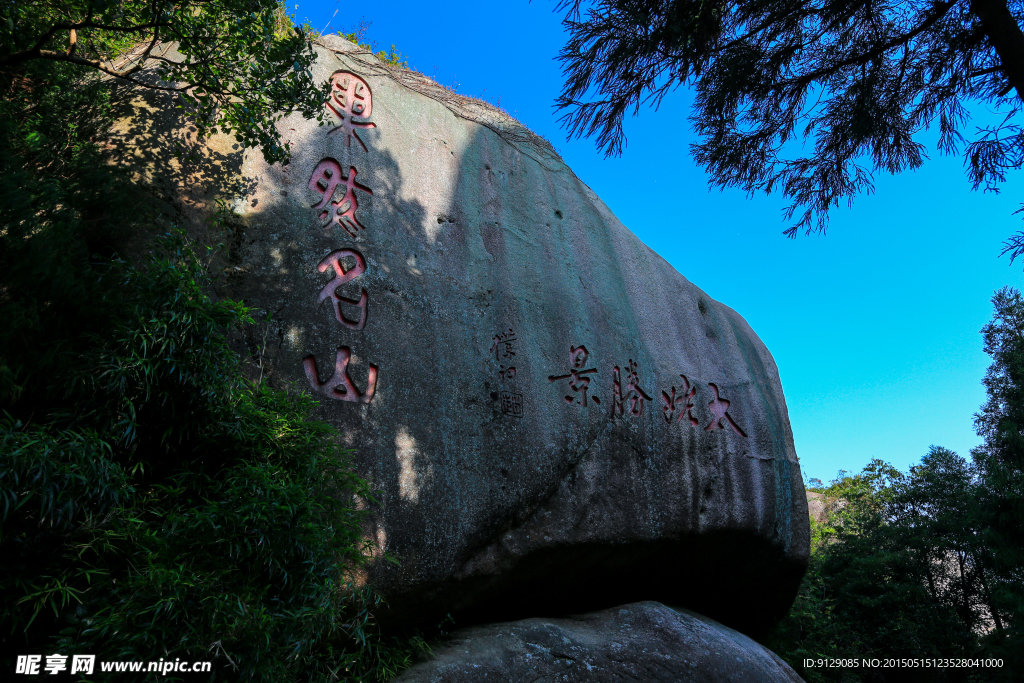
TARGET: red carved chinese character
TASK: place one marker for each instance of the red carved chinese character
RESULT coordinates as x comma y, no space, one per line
333,260
633,393
682,402
720,409
350,101
577,359
325,180
339,386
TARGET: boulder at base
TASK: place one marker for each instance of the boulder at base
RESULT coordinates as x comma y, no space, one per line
556,419
644,641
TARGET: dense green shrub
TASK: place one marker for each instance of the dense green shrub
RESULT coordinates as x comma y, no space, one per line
181,509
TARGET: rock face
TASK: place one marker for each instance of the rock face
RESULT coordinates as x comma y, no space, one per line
644,641
556,419
817,506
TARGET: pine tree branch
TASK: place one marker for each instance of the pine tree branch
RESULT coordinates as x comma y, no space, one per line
874,53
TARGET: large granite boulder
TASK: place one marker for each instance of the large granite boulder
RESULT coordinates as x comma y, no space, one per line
644,642
556,419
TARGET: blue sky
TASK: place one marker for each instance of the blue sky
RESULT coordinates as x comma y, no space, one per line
875,326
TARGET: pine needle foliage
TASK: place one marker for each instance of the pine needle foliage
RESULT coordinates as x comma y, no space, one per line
809,98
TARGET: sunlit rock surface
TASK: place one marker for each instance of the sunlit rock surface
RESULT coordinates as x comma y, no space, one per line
556,419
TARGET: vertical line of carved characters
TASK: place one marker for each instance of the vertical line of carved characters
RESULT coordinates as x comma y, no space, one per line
503,349
633,392
352,102
326,179
339,386
719,408
682,402
333,261
578,383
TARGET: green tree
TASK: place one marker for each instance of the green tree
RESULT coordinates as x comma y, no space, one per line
152,499
932,560
896,571
1000,460
242,64
805,97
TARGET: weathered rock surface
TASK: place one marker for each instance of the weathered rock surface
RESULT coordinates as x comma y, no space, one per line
641,642
556,419
817,506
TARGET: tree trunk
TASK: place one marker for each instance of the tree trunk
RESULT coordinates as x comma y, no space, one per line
1005,36
988,596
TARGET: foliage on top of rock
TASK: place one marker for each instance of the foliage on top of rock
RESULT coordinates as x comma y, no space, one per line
242,65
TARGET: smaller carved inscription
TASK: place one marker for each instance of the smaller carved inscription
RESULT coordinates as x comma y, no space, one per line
720,409
632,393
503,349
512,404
578,382
339,386
326,178
352,102
330,290
501,345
